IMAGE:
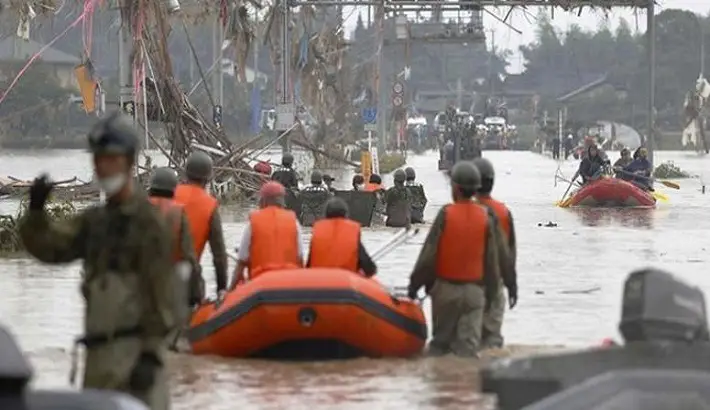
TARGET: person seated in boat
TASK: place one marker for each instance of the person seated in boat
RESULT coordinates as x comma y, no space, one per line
335,242
328,181
622,163
272,238
375,184
358,182
286,175
316,183
592,165
399,203
639,170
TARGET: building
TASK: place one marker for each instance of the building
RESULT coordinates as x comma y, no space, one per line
15,51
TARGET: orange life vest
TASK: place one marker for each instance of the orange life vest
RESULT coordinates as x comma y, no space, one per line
334,244
199,207
372,187
462,247
500,210
274,243
173,214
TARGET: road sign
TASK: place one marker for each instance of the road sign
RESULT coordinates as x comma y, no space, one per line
398,88
370,127
129,107
369,115
397,101
285,116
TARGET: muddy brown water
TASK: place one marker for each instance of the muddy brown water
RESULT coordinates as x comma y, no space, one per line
570,287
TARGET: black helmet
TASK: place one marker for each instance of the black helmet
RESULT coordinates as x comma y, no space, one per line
485,168
336,208
358,179
114,134
316,178
287,159
399,176
164,179
328,178
409,171
375,179
198,166
466,175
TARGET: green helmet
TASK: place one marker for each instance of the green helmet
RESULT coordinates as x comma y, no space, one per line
399,176
466,175
198,166
485,168
287,160
316,177
409,172
164,179
114,135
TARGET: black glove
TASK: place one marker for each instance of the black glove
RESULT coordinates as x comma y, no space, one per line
412,293
39,192
512,296
144,372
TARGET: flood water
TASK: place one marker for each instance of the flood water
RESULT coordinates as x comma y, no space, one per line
570,280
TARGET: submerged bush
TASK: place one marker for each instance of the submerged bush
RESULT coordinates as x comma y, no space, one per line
10,242
669,170
391,161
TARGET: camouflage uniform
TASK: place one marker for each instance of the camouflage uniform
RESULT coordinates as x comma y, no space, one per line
128,284
399,203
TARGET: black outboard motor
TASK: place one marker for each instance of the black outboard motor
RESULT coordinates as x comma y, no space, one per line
664,324
16,373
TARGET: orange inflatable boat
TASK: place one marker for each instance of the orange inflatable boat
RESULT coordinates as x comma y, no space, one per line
309,314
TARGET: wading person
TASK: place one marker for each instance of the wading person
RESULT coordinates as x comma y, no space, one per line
493,319
128,282
272,238
202,211
316,183
358,182
419,199
286,175
335,242
458,266
374,184
328,181
399,203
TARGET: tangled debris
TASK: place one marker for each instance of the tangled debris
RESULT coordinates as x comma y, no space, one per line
10,242
669,170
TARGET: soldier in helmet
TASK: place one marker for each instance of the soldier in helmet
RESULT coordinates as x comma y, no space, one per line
316,183
493,319
286,175
419,199
128,281
328,181
202,210
399,203
458,266
162,191
358,182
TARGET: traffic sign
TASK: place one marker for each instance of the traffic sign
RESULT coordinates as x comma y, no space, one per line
397,101
398,88
370,127
369,115
285,116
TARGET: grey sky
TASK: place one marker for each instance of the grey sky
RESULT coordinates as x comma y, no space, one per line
589,20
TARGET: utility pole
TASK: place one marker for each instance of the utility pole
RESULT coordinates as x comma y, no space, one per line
381,95
125,68
651,45
218,73
285,111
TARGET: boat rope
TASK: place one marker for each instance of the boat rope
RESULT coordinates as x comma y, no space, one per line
89,6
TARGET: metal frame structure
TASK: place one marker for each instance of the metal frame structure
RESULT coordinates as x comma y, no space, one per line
384,7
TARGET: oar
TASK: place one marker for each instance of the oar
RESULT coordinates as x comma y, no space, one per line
563,203
659,196
669,184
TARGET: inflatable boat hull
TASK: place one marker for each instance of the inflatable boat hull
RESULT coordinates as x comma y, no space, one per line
611,193
309,314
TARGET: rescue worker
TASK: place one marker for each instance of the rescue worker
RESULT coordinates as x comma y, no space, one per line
316,183
374,184
493,319
272,238
162,192
458,266
328,181
640,170
286,175
592,165
128,281
202,211
399,203
419,199
621,163
358,182
335,242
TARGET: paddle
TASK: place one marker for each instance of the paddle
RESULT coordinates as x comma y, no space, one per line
564,203
669,184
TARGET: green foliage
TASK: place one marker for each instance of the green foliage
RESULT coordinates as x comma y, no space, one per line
10,242
669,170
391,161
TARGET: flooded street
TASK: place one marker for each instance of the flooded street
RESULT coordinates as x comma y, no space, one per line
570,279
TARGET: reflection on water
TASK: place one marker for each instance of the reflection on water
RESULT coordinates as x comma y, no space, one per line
570,289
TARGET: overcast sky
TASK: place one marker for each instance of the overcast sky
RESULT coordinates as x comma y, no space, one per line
525,22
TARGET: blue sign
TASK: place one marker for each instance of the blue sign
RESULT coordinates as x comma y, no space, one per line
369,115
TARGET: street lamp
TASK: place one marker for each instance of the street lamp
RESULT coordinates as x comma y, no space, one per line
400,27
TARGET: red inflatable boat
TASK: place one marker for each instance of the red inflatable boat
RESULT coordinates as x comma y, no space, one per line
611,193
